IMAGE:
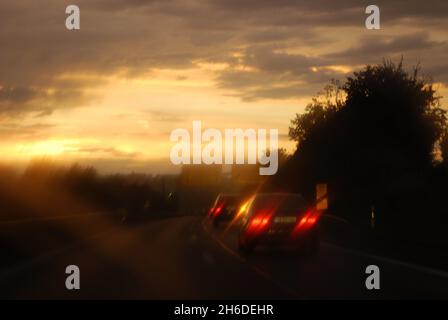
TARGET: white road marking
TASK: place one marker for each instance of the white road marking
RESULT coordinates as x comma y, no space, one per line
329,216
423,269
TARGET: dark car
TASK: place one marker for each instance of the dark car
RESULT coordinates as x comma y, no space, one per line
278,219
224,208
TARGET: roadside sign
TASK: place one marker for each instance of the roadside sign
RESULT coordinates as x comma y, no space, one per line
321,196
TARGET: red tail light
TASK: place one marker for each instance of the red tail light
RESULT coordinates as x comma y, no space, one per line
311,220
217,210
307,221
258,223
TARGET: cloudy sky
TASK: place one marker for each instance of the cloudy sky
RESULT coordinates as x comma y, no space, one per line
110,93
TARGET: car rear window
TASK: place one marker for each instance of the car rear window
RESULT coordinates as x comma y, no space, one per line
227,200
280,204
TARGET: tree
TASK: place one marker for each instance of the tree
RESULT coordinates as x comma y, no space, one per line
372,139
444,148
317,113
402,110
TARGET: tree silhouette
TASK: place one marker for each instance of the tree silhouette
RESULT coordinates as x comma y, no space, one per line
317,113
371,139
444,148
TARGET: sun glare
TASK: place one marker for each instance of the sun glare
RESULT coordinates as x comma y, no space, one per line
49,147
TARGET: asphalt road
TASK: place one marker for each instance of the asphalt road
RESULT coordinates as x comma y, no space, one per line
185,258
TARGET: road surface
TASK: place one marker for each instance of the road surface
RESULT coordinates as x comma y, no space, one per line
185,258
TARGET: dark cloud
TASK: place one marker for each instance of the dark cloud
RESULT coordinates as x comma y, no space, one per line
268,74
16,94
393,9
38,55
33,131
369,47
41,101
120,5
266,59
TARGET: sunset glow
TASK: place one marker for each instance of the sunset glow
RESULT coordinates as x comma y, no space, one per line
119,96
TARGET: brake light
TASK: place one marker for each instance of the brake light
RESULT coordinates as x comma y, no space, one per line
308,220
259,221
218,210
311,220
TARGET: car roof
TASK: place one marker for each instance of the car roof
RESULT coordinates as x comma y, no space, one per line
277,194
221,195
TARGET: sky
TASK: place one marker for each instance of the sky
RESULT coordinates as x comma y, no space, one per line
110,94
